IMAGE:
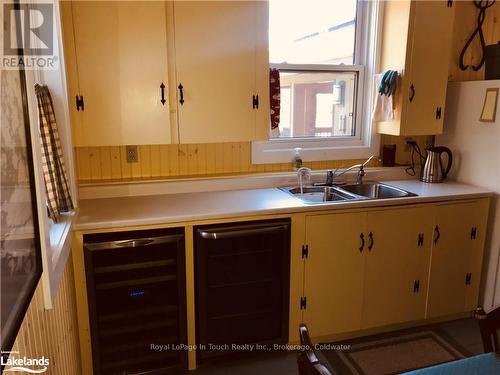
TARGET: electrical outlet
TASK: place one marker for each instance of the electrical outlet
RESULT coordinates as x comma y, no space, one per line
407,145
429,142
132,154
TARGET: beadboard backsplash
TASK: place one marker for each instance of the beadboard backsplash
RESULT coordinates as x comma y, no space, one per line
109,163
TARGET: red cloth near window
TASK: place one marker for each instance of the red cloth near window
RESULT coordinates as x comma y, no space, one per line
275,98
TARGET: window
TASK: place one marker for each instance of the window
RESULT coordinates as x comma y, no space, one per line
325,52
317,104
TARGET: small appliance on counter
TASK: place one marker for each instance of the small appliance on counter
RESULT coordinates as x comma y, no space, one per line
433,169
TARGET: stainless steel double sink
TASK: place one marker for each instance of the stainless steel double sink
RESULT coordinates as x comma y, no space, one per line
349,192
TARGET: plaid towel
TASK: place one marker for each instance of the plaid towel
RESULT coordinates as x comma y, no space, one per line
54,172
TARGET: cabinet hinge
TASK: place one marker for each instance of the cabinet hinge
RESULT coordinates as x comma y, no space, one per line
468,278
420,239
255,101
473,233
305,251
416,286
438,113
450,3
79,103
303,303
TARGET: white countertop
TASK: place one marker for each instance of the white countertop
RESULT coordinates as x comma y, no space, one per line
170,208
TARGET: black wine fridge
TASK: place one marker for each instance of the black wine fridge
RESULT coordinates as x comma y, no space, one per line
136,297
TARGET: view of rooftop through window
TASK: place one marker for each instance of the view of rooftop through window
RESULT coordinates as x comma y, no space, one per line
315,102
312,32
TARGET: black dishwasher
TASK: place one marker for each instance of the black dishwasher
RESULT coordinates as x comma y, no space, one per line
242,285
136,297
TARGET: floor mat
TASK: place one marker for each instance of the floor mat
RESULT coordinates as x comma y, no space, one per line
393,352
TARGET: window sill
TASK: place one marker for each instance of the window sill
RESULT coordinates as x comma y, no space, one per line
56,255
59,234
282,151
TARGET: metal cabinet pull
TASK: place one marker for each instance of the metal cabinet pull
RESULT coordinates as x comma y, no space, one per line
181,93
362,236
370,246
162,92
133,242
416,286
438,234
412,92
221,234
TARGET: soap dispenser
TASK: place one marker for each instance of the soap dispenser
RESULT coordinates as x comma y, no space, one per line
297,159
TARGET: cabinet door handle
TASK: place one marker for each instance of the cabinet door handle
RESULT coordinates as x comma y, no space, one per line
416,286
412,92
370,246
162,92
362,236
181,93
437,234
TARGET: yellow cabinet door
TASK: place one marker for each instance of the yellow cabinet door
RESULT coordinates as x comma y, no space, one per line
334,272
455,254
221,61
417,41
474,252
118,54
397,265
431,26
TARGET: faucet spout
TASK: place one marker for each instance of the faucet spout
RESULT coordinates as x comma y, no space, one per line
301,173
361,172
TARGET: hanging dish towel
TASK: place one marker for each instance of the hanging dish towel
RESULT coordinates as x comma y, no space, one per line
384,101
275,98
54,172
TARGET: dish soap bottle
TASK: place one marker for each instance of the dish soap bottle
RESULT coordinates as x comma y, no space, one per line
297,159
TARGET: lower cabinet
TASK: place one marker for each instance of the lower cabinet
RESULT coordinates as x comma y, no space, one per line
457,256
397,265
334,273
379,267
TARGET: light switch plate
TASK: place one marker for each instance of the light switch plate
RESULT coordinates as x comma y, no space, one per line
132,154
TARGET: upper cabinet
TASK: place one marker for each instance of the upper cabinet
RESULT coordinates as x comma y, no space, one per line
416,41
220,52
167,72
117,64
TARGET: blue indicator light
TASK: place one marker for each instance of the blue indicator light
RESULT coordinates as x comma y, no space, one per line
137,293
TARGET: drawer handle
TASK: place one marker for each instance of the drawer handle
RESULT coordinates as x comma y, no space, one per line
370,246
362,236
133,242
438,234
219,235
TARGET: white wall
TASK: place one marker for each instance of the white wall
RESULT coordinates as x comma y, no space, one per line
476,160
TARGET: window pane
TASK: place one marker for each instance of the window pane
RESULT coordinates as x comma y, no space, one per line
312,32
317,104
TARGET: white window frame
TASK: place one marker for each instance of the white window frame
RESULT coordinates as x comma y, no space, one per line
55,238
366,142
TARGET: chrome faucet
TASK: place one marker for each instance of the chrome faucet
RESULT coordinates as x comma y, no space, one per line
361,172
330,175
301,173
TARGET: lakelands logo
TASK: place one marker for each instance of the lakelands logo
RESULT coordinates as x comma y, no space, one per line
28,36
23,364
